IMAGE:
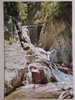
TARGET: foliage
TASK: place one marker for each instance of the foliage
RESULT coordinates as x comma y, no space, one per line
56,10
10,9
38,12
23,12
33,12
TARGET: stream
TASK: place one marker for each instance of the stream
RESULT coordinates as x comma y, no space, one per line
61,76
15,58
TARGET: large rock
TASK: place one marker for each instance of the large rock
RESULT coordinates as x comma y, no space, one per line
40,73
48,91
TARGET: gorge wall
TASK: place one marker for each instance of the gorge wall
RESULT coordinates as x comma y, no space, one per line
57,34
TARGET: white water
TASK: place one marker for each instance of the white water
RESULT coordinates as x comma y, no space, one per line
61,76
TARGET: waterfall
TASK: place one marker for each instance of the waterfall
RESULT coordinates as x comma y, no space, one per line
59,75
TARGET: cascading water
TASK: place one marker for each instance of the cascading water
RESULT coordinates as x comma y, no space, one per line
59,75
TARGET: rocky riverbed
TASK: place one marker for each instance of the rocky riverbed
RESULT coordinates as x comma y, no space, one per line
14,61
30,72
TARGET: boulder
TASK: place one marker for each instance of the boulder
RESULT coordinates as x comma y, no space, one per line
48,91
14,79
40,73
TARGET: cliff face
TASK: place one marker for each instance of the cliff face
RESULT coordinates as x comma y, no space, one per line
57,34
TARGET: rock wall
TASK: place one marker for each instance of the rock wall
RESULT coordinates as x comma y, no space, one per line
57,34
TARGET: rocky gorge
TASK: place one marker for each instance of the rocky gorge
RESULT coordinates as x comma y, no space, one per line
33,72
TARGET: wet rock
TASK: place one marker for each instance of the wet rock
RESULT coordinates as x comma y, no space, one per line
66,68
66,94
40,73
35,75
38,77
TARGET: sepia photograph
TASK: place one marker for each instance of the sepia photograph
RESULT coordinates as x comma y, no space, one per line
38,62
